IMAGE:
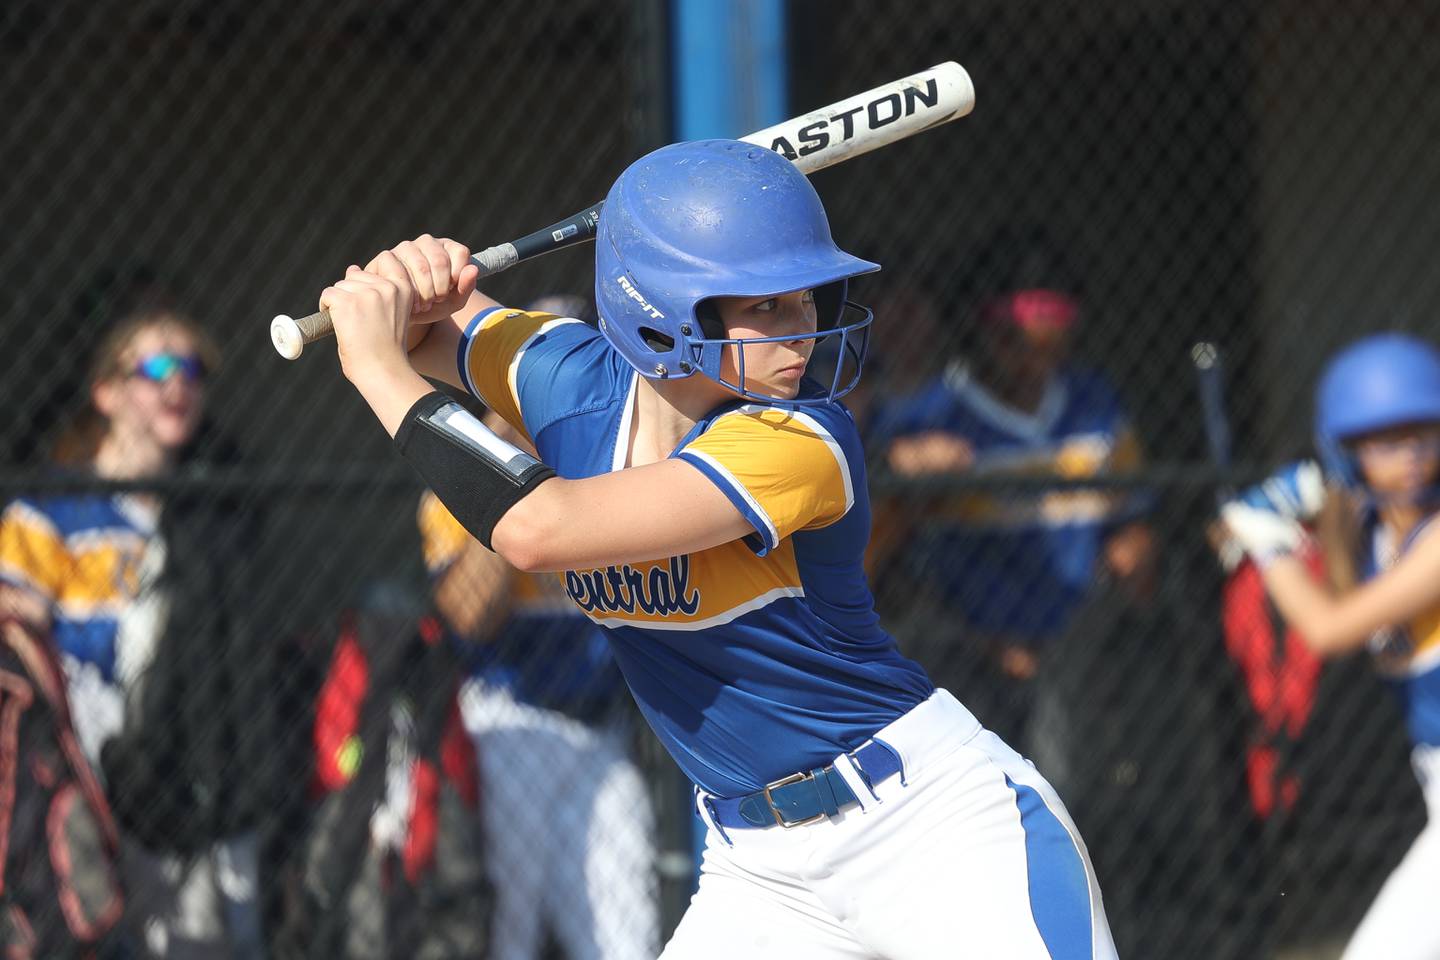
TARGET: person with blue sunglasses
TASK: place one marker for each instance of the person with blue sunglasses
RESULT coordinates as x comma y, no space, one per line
145,401
99,572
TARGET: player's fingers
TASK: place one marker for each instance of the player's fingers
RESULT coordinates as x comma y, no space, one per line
390,283
391,266
452,259
333,296
374,293
410,263
343,294
332,299
459,257
469,280
438,260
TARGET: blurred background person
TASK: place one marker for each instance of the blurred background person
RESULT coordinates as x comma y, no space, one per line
59,852
391,863
129,589
569,829
1008,566
1377,427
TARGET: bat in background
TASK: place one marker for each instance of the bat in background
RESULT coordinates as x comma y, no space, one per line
1210,382
814,141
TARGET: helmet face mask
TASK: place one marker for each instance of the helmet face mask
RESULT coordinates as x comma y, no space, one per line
1400,464
693,222
842,348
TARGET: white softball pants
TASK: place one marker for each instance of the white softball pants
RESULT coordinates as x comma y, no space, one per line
569,838
1401,923
968,853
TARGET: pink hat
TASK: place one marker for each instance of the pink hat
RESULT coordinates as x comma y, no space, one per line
1032,309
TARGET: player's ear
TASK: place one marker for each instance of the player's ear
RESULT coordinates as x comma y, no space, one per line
105,396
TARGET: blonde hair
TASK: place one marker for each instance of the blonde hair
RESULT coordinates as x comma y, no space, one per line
79,441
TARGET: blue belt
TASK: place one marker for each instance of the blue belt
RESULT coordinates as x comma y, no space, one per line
803,798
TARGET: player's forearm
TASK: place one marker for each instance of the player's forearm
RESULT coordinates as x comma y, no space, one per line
1316,615
664,509
390,389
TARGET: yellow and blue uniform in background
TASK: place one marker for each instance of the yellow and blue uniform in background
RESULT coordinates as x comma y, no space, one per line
88,558
1016,564
81,555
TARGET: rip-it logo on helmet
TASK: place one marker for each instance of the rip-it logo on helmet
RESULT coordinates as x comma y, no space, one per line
696,221
638,297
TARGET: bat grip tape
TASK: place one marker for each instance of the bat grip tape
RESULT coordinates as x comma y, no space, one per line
476,474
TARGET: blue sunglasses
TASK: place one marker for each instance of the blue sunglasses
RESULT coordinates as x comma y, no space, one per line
159,367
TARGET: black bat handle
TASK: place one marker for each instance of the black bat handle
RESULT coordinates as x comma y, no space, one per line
291,335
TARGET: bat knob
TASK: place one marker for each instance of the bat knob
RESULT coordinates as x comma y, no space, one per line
286,337
1204,355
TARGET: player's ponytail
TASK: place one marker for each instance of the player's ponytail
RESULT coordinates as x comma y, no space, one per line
1338,531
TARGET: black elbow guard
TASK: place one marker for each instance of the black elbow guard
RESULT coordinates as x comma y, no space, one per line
477,475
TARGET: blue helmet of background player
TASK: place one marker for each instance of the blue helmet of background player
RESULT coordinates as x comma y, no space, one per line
719,218
1384,381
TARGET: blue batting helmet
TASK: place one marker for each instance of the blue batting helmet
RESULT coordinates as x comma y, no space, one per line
1382,381
716,218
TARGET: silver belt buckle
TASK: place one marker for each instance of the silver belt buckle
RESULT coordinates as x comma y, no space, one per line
775,811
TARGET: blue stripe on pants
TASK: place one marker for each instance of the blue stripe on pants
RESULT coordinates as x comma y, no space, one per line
1059,888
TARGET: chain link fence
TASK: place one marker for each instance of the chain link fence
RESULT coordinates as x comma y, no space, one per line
324,724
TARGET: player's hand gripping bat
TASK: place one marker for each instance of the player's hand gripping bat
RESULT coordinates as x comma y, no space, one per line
814,141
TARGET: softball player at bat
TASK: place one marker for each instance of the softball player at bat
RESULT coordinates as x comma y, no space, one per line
853,809
1378,433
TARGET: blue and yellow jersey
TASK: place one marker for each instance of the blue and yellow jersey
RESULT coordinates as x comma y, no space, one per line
545,652
1409,657
81,555
753,659
1016,563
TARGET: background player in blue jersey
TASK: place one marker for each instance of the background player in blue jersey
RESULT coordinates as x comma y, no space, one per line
1010,567
1378,433
854,810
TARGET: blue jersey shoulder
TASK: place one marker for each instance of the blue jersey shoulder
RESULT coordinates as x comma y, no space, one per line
568,370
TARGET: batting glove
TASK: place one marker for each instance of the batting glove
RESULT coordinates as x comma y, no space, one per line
1262,533
1296,491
